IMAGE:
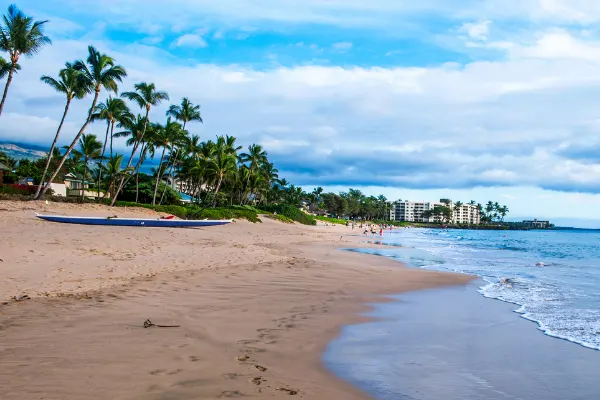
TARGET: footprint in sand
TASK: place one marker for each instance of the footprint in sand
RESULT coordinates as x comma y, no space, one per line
231,393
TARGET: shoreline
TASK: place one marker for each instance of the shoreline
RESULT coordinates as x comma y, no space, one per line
274,293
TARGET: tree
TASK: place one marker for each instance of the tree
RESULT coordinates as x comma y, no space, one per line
4,67
70,84
99,72
165,137
113,110
223,163
145,96
89,149
115,172
440,213
255,157
19,35
186,112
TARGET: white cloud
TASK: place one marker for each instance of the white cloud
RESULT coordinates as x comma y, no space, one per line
558,44
342,46
477,30
190,40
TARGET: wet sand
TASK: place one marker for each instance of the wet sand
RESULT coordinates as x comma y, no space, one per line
254,306
454,344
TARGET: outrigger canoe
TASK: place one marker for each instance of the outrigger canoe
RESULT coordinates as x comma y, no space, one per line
146,222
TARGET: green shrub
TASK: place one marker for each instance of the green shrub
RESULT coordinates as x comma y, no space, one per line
280,218
196,212
146,192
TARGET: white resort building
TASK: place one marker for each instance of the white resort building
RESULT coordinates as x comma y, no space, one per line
412,211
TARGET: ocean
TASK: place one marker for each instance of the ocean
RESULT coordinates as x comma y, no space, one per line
468,345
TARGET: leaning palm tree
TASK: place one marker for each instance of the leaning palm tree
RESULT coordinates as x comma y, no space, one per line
186,112
70,84
89,149
178,148
99,72
19,35
145,96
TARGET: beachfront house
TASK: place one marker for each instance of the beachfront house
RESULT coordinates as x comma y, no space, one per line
75,185
535,224
3,170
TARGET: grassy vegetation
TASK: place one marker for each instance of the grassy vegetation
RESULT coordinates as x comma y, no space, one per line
280,218
332,220
291,212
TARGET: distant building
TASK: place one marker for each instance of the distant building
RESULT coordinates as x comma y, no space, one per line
465,214
412,211
535,224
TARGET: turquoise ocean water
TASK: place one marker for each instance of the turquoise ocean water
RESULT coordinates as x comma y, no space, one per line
553,276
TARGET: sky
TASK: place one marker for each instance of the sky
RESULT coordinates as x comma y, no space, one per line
472,99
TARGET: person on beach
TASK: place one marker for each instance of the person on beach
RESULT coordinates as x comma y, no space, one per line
381,232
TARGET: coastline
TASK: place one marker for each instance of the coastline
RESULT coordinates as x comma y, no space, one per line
272,292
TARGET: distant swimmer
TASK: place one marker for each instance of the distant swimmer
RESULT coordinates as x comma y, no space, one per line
539,264
506,281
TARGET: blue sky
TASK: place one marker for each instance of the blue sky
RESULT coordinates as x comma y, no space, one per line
470,99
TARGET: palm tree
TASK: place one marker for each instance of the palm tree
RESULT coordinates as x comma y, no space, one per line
178,146
223,163
19,35
137,132
4,67
165,138
256,157
112,111
114,172
100,72
186,112
145,96
70,84
89,149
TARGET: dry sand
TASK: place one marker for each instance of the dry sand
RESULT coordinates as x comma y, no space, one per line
255,304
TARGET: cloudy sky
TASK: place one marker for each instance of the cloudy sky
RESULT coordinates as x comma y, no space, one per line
469,99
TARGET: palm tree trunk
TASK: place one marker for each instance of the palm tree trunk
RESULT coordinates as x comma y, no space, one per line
170,177
137,171
102,158
62,121
217,189
85,163
8,81
122,182
112,131
158,176
73,143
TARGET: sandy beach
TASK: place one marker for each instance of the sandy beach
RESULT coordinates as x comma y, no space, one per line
254,306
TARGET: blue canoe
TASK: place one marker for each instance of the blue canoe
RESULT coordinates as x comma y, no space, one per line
114,221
